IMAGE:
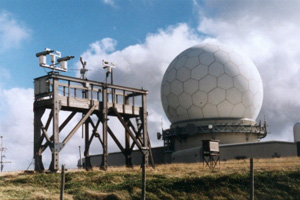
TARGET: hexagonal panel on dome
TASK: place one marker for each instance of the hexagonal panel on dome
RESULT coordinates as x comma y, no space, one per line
257,101
171,113
225,81
241,83
246,72
181,61
185,100
216,96
166,88
234,95
208,83
164,101
247,98
206,58
190,86
195,113
238,110
192,62
216,69
210,111
200,99
253,86
171,75
173,100
176,87
231,69
249,111
183,74
224,108
182,113
199,72
222,57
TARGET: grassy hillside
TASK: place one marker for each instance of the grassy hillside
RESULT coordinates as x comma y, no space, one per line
277,178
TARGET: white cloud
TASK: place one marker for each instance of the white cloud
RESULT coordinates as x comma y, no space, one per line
12,31
16,126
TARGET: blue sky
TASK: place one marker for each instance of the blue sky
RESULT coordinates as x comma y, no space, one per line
70,26
142,37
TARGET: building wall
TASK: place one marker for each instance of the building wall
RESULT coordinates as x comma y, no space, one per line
118,159
258,150
227,152
240,151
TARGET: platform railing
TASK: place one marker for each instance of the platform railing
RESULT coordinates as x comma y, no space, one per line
83,89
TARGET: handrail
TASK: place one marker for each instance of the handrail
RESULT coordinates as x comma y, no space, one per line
95,83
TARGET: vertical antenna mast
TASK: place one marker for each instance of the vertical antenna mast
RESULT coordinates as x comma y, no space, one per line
3,149
83,70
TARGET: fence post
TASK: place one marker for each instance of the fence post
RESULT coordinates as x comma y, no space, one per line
145,151
251,179
62,188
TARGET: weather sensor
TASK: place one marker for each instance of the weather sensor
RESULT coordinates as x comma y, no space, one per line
55,62
83,70
109,67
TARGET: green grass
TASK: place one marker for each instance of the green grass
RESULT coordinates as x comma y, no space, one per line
121,183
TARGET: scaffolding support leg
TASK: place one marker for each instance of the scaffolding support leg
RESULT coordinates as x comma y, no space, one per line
104,123
37,154
127,147
54,166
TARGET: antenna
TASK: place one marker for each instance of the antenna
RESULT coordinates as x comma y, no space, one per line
109,67
55,62
3,149
83,70
158,134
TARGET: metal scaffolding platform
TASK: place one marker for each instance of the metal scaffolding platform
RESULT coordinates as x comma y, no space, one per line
90,98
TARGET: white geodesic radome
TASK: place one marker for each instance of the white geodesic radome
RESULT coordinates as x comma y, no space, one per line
211,81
